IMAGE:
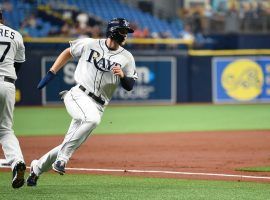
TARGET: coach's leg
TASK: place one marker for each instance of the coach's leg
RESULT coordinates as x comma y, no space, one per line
9,141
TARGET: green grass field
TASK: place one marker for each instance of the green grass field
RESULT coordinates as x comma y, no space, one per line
140,119
148,119
53,186
255,169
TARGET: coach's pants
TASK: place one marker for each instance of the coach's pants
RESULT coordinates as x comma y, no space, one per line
86,115
8,140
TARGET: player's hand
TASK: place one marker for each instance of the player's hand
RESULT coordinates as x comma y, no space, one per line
46,79
118,71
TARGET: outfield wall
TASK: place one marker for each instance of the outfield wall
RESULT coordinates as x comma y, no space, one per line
167,76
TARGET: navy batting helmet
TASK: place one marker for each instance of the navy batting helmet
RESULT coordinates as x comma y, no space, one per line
117,28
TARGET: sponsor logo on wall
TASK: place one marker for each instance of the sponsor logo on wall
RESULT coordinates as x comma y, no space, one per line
156,81
143,87
241,79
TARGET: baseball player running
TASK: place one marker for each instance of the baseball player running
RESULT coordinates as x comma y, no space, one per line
103,65
12,54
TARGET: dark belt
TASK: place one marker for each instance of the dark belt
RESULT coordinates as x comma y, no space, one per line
10,80
90,94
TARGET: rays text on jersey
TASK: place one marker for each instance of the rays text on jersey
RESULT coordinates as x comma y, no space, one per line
101,64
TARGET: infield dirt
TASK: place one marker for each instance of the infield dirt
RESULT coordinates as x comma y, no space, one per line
198,152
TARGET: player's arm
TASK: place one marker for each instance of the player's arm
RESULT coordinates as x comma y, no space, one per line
61,60
126,82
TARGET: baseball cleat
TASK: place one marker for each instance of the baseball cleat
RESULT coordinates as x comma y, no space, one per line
32,178
18,174
59,167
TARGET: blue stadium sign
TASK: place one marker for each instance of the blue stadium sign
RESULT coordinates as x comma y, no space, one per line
156,82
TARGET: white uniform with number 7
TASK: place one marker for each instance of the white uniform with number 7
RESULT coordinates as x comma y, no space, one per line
11,50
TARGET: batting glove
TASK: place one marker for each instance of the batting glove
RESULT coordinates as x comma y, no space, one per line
46,79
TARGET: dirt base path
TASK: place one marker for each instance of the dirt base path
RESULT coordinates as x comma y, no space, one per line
196,152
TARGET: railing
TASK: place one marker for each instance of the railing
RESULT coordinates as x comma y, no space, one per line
234,24
136,43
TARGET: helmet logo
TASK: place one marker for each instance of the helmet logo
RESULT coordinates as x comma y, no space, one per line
126,23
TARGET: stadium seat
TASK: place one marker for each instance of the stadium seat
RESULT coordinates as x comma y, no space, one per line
104,9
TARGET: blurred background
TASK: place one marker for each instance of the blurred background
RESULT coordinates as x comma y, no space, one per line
185,50
187,19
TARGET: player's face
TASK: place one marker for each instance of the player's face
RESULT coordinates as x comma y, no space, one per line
124,33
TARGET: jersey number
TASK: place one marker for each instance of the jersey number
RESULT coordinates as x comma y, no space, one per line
5,51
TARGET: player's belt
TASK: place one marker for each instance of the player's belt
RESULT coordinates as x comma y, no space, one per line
90,94
10,80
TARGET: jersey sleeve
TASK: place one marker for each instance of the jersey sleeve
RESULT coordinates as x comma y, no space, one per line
20,54
77,46
130,68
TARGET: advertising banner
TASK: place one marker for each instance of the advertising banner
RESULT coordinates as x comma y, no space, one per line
241,79
156,82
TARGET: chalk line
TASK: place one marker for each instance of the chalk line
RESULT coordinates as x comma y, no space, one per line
161,172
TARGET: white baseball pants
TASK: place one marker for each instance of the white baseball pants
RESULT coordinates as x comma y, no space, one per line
86,115
8,140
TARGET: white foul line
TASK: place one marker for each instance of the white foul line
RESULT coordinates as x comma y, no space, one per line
170,172
161,172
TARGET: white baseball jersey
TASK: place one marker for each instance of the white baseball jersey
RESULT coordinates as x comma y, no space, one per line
94,73
11,50
95,63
